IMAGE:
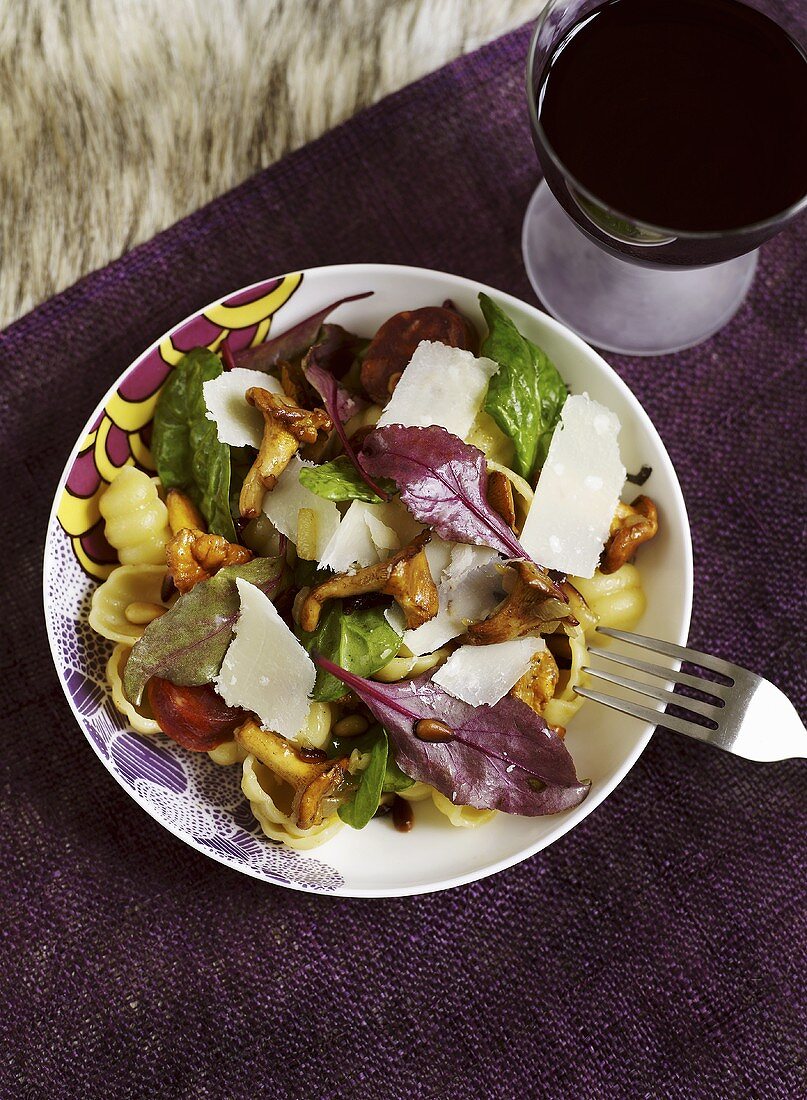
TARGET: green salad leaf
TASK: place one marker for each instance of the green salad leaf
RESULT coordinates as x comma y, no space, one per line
241,460
526,395
185,444
394,779
381,776
363,803
187,644
340,480
361,641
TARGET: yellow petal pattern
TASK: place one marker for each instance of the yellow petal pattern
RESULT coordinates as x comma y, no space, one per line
79,515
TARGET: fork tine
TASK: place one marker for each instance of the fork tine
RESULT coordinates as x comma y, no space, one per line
669,649
709,687
695,706
647,714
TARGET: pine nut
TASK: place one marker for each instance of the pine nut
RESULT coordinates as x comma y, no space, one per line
432,730
350,726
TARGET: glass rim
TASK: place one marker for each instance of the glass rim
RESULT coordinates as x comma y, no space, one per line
587,193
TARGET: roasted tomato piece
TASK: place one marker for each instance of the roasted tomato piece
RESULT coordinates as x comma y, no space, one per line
195,717
394,343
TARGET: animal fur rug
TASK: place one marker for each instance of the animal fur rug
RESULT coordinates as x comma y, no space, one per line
117,117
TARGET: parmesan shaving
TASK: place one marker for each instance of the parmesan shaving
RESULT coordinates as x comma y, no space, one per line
441,385
578,490
288,497
468,588
368,533
483,674
265,669
351,543
237,422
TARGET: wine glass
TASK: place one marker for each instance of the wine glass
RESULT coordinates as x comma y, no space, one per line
620,281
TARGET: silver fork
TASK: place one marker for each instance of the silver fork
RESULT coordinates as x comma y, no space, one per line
749,717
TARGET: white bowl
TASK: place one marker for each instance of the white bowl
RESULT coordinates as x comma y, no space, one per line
201,803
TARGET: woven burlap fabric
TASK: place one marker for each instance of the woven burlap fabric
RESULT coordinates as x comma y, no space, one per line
656,951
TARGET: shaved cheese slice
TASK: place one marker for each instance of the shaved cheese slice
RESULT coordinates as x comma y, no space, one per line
441,385
265,669
368,533
399,519
466,557
578,490
350,543
384,538
283,505
396,618
438,555
483,674
468,588
237,422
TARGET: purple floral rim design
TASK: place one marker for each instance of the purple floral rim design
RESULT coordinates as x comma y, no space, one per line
194,798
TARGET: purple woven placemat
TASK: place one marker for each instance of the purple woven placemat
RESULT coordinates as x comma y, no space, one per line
657,951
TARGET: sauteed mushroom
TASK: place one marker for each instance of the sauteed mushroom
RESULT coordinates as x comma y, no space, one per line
314,780
500,497
194,556
537,686
405,576
632,525
394,344
285,428
534,602
297,387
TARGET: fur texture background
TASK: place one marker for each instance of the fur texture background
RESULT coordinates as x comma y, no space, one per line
117,117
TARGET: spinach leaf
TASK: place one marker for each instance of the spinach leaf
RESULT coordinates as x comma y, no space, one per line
241,460
307,573
185,445
526,394
361,641
187,644
339,480
394,778
364,801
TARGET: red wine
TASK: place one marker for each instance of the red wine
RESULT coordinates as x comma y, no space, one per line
684,114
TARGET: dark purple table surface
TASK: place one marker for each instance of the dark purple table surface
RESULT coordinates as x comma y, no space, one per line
656,951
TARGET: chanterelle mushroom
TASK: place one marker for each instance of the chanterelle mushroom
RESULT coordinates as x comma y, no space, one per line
285,427
537,686
193,556
314,781
534,601
632,525
405,576
500,497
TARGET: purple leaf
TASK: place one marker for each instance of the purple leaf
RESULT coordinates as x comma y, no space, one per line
292,343
344,402
226,354
496,753
336,349
328,359
329,390
443,482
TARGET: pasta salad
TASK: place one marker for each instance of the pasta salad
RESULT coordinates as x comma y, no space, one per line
367,569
